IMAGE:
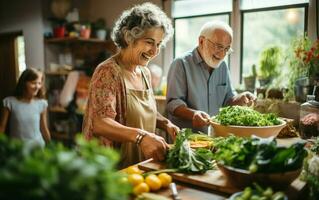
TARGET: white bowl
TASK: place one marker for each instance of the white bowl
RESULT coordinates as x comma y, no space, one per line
247,131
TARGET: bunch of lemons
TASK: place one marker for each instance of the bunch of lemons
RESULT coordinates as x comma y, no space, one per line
151,182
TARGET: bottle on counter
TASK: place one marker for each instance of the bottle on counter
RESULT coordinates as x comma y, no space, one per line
309,118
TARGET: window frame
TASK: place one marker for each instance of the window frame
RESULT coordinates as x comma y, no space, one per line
236,22
195,16
243,12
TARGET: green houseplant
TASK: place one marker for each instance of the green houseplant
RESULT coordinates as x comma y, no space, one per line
269,62
99,27
303,58
250,80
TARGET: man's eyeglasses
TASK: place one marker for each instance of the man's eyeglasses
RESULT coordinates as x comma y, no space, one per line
219,47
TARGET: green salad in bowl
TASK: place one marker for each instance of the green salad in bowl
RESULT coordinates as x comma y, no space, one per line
244,121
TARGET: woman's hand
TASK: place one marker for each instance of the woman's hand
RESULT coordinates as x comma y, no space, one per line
154,146
172,129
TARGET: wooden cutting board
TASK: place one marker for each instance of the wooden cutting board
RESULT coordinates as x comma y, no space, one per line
212,179
215,180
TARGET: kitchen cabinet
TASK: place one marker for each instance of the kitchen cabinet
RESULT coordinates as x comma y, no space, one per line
63,55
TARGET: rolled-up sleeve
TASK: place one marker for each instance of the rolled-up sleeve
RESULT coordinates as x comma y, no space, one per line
176,86
230,89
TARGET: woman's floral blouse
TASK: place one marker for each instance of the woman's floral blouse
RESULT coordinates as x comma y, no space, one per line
107,98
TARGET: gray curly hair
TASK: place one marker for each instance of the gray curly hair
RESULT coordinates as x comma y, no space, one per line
133,23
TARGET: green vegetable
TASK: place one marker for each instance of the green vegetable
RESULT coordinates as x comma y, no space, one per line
278,196
150,196
247,193
268,192
259,154
310,174
315,146
55,172
244,116
253,168
260,193
185,159
200,137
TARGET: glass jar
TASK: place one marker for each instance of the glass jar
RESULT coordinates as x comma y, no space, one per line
309,118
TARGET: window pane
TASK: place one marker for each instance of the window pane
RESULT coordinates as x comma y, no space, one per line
254,4
21,54
262,29
187,31
200,7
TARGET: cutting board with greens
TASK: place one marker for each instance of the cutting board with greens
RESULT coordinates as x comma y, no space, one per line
193,158
212,179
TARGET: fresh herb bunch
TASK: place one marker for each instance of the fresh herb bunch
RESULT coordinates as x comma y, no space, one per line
245,116
55,172
310,173
259,154
315,146
185,159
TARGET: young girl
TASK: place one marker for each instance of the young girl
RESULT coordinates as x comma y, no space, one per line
26,110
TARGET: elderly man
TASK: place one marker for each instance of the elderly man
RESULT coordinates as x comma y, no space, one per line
199,81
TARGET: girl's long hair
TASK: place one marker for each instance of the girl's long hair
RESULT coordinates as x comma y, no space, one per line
30,74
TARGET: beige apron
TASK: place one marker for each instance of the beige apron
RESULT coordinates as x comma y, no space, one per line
141,113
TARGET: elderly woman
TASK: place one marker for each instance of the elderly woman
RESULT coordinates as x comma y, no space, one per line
121,108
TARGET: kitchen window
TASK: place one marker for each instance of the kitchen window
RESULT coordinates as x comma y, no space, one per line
263,27
256,24
190,15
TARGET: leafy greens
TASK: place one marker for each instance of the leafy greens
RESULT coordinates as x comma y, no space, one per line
55,172
244,116
259,154
185,159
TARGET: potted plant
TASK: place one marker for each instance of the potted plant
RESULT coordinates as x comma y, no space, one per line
250,80
85,31
269,62
100,28
304,67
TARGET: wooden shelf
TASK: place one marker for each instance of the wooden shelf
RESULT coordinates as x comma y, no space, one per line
57,109
57,73
60,136
76,39
160,98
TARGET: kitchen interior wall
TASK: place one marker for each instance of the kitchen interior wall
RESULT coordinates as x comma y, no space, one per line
110,10
25,16
30,17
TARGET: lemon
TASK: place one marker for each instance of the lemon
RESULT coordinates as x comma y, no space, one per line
165,179
135,179
153,182
133,170
141,188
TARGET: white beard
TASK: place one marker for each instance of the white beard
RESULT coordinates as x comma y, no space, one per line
209,61
213,65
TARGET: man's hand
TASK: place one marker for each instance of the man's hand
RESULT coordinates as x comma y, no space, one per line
200,119
244,99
